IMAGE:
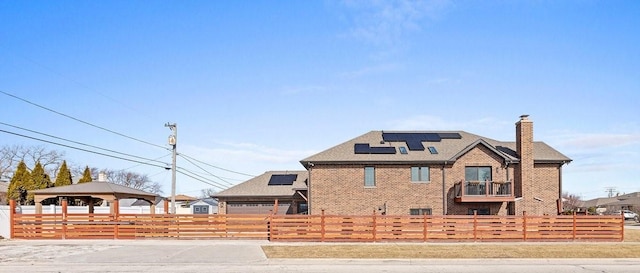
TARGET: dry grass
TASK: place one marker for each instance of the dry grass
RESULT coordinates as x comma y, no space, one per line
628,249
632,235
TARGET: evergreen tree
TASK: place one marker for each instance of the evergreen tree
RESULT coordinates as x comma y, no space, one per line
20,184
86,176
64,176
39,180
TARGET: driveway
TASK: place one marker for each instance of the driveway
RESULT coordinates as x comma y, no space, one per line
247,256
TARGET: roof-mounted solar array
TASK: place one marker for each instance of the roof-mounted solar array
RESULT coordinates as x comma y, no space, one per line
414,140
282,179
364,148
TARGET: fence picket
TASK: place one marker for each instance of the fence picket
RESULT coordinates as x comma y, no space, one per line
323,228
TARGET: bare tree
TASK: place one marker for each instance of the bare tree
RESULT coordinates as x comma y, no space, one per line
571,202
11,155
206,193
133,180
78,171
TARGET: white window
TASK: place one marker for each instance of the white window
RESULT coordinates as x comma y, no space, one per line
369,176
419,174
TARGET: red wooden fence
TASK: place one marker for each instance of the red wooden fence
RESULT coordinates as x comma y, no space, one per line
321,228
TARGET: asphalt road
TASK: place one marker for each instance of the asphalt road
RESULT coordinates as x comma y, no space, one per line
247,256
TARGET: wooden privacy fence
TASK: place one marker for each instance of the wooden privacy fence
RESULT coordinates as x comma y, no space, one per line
320,228
423,228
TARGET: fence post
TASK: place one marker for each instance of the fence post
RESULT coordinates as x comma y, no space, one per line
12,214
574,225
375,225
116,218
475,225
322,230
165,206
270,227
524,225
64,218
622,227
424,227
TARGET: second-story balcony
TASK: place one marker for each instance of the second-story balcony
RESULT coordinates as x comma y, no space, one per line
484,191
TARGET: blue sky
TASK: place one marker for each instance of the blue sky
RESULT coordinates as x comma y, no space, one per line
259,85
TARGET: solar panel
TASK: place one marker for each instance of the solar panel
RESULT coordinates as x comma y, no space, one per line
382,150
415,144
450,135
360,148
414,140
364,148
432,137
282,179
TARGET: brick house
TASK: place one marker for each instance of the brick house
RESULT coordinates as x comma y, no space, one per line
435,172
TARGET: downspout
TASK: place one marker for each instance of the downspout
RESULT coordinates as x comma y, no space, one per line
444,191
506,166
309,188
559,202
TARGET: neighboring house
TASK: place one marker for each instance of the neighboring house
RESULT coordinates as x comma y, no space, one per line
436,172
605,205
158,202
4,189
260,194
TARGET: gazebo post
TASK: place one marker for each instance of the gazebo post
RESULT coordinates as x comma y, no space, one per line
166,207
115,207
64,218
12,215
90,203
38,208
152,210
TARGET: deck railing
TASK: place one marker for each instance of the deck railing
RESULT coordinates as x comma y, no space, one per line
484,189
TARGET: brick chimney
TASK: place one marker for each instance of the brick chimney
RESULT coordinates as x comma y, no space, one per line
524,149
102,177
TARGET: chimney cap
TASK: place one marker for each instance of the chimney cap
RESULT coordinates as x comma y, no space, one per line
524,117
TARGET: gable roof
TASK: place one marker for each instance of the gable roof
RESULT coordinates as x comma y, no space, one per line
448,149
259,186
205,201
183,198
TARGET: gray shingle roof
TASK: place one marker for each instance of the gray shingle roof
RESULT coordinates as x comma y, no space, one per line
448,150
258,186
94,188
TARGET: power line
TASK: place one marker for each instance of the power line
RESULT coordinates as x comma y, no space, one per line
80,143
204,178
76,81
188,160
81,149
147,161
201,180
81,121
219,168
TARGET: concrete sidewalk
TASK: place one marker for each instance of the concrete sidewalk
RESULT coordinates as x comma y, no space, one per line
247,256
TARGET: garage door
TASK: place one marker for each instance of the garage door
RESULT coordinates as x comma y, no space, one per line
256,208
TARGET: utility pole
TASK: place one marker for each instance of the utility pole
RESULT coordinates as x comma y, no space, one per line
610,191
173,139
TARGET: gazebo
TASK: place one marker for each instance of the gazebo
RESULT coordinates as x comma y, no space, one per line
91,192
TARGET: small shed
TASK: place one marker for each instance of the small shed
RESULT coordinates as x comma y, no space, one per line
204,206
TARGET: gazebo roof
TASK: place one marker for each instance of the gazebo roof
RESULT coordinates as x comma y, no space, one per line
102,190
